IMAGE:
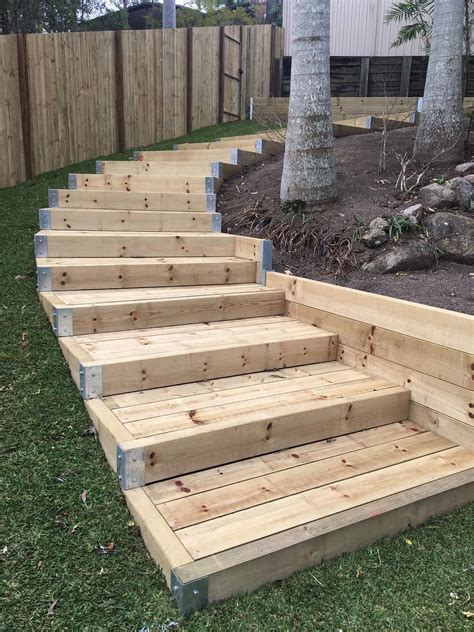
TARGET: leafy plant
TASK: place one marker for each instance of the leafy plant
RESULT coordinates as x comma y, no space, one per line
418,14
397,225
439,180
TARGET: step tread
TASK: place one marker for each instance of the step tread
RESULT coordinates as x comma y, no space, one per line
145,234
57,262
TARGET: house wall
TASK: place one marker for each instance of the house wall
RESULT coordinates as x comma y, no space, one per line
358,30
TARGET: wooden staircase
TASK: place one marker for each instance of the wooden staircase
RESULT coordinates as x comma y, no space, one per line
245,447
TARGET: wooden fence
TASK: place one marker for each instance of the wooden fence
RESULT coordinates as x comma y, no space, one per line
67,97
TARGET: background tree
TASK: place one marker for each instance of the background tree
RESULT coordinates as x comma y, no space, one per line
309,170
441,120
169,14
36,16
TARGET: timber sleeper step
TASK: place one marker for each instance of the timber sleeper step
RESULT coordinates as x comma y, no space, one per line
175,430
55,243
118,362
252,145
132,200
128,220
225,530
163,184
204,167
232,156
98,311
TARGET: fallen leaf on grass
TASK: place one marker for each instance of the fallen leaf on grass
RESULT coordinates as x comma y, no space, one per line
52,607
107,549
409,542
84,497
20,277
469,614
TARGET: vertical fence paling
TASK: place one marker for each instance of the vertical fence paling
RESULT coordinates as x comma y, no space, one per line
67,97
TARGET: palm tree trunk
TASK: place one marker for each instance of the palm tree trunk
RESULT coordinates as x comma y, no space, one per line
440,131
309,170
169,14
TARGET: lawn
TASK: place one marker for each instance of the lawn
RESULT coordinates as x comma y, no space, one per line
73,558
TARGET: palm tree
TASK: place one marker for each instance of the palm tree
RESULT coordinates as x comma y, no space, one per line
309,170
169,14
441,122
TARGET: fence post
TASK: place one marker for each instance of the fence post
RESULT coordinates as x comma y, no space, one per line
24,85
189,80
119,90
364,76
405,77
221,73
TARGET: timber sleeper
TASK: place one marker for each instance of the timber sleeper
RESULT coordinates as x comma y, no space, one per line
232,156
163,184
216,169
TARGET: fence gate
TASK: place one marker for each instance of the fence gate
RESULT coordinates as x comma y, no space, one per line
231,74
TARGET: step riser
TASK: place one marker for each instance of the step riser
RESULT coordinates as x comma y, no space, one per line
205,168
257,146
124,200
87,319
156,221
160,458
231,156
169,184
144,372
95,277
86,245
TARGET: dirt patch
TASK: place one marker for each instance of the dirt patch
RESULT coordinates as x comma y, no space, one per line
324,243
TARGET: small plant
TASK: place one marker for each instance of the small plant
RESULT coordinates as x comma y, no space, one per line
397,225
439,180
293,206
358,229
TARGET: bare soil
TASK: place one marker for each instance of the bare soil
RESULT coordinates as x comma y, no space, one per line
324,243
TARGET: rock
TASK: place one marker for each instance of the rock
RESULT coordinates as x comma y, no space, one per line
413,255
414,213
464,193
465,169
378,222
453,235
436,196
374,237
469,178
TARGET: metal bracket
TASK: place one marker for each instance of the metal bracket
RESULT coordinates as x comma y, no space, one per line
251,109
63,321
72,181
234,156
136,155
368,122
53,197
419,106
45,219
265,264
90,381
216,170
260,146
216,223
131,467
41,246
190,596
211,202
210,184
99,166
44,279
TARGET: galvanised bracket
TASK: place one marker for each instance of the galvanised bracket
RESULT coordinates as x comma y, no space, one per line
45,219
217,170
99,166
131,467
72,181
63,324
211,202
216,223
90,381
53,198
210,184
44,279
41,246
190,596
265,263
234,157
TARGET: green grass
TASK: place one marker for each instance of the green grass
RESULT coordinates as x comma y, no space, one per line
50,539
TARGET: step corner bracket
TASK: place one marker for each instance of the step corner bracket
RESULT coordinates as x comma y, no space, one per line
211,202
217,223
90,381
190,596
130,467
41,246
63,324
265,260
45,219
44,279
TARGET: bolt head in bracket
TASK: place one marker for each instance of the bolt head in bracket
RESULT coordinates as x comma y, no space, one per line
130,467
190,596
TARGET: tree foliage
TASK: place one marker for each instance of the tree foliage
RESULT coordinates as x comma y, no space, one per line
37,16
419,17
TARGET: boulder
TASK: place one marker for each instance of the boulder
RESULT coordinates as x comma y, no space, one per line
465,169
412,255
469,178
374,237
464,192
437,196
414,213
453,235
